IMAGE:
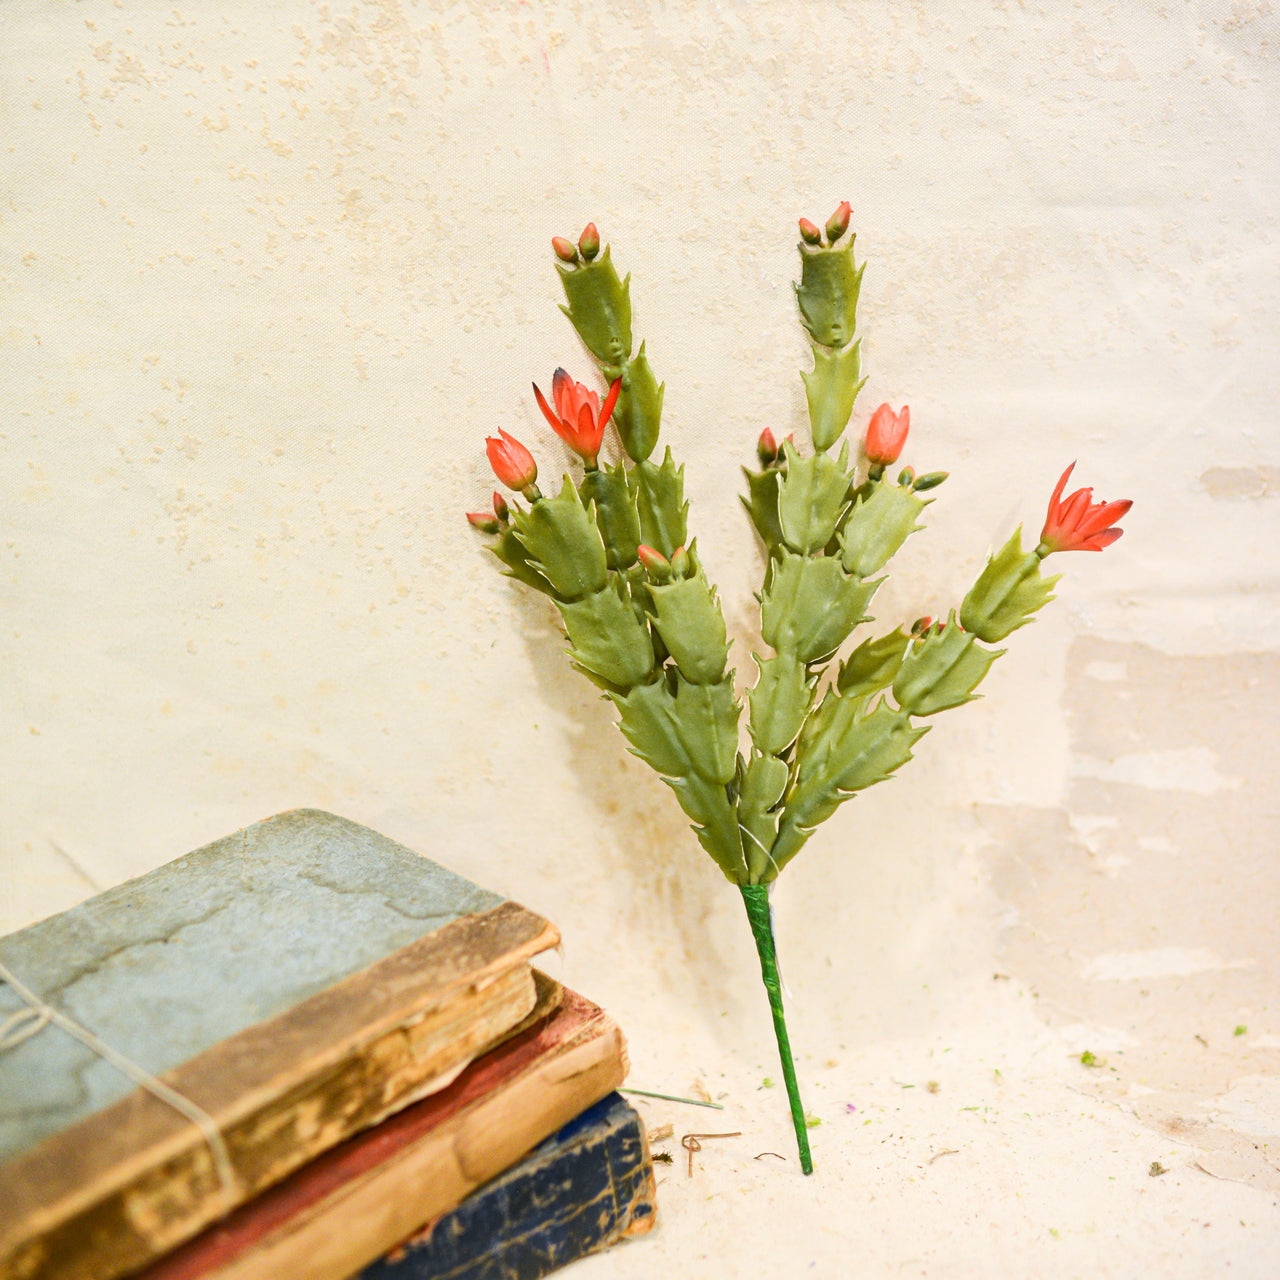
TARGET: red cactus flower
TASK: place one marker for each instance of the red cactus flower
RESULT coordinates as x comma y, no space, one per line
578,418
1078,523
512,463
886,435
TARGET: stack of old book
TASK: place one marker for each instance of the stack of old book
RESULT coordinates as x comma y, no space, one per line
305,1052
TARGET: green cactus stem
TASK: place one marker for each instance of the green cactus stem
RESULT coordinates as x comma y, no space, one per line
755,898
828,293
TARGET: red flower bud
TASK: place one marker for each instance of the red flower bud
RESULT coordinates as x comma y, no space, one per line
483,521
512,463
500,508
838,223
809,233
1079,524
565,249
589,241
767,448
656,565
886,435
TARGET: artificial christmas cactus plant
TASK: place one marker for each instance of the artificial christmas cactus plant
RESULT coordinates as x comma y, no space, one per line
613,552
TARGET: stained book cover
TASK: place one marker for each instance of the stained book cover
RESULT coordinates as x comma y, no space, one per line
292,984
351,1205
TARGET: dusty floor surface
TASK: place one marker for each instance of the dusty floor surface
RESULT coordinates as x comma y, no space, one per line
987,1151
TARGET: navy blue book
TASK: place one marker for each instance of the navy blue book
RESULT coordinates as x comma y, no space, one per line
583,1189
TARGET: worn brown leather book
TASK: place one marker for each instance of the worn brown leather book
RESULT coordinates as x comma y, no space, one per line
277,991
361,1199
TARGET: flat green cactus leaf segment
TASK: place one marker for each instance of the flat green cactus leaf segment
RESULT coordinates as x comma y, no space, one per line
779,702
828,293
661,505
647,718
811,605
762,786
688,618
708,724
941,671
831,389
850,748
1008,591
510,550
694,730
811,499
616,515
715,823
691,739
607,639
638,413
873,665
563,543
599,307
877,526
761,502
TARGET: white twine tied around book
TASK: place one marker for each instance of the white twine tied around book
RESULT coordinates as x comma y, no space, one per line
25,1023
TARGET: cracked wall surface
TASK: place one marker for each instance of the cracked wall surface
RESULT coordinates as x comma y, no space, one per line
269,274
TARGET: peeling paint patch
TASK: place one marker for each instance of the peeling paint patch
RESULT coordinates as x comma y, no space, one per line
1107,672
1159,962
1241,482
1191,769
1251,1105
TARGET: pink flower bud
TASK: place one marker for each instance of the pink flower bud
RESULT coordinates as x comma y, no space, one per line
809,233
886,435
838,223
565,249
589,241
512,463
1079,524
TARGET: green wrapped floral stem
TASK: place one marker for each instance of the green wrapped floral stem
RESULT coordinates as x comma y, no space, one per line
755,898
644,622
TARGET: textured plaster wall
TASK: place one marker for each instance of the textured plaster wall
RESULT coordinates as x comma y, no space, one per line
269,273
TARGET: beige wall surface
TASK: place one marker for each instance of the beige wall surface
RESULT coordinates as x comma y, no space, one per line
270,273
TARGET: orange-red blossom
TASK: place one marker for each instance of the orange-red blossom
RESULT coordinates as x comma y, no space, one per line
512,463
886,434
1079,524
578,418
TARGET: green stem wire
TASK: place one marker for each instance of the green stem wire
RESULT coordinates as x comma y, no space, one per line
755,898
